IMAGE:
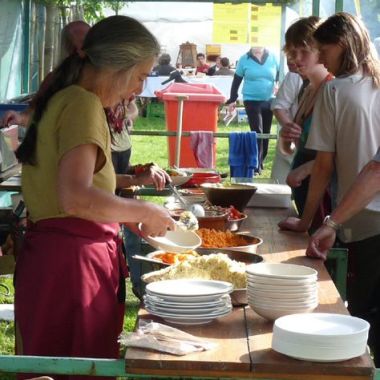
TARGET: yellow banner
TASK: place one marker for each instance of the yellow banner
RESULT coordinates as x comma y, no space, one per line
231,23
266,26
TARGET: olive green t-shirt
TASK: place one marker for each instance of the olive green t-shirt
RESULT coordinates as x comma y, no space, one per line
73,117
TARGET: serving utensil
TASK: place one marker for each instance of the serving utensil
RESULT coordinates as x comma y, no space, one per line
178,195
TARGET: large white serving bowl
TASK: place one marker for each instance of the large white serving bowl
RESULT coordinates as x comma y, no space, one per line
280,270
177,241
281,281
283,305
272,313
281,288
283,296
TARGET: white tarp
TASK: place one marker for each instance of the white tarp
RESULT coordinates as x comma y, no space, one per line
176,23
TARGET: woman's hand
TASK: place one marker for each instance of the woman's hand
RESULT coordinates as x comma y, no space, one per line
13,118
231,107
296,176
293,224
291,132
320,243
157,221
153,175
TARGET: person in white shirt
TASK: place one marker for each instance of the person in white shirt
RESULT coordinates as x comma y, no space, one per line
346,134
360,194
284,107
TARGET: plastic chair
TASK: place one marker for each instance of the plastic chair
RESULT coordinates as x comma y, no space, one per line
336,264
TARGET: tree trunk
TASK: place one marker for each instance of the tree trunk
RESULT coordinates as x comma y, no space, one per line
51,11
33,47
57,39
41,27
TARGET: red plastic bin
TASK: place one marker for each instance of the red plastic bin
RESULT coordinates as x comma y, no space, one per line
200,113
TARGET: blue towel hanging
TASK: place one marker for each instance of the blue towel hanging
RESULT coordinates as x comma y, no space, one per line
243,154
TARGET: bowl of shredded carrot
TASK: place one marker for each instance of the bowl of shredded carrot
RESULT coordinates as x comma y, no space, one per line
212,238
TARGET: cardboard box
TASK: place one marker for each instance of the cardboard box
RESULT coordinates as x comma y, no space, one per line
271,195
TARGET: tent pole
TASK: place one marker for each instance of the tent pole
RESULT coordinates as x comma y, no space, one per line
316,7
26,47
181,99
339,5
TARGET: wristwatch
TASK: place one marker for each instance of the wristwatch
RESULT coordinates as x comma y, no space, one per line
330,223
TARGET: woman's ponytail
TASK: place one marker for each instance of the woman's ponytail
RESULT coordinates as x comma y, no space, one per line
66,74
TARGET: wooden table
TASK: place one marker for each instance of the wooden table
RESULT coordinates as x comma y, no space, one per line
244,338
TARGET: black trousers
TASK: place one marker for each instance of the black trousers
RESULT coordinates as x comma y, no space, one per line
120,161
363,287
260,120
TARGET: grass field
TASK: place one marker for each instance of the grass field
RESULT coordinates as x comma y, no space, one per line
145,149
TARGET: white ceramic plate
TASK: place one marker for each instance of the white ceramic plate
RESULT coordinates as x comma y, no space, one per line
280,270
322,327
188,312
189,288
316,353
175,241
194,317
219,302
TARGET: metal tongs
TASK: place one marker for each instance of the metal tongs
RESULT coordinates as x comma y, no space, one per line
178,195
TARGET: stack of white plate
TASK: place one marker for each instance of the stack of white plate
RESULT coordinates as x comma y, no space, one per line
320,337
275,290
188,302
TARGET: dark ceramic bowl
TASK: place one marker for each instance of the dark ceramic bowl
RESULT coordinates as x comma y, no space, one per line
229,195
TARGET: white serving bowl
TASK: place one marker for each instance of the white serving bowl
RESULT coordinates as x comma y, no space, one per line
282,271
277,304
281,289
175,241
281,281
283,296
272,313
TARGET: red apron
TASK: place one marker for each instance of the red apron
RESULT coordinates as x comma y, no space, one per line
70,290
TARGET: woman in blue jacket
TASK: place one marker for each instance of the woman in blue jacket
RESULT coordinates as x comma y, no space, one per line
259,69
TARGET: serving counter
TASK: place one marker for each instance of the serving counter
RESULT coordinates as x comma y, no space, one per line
243,338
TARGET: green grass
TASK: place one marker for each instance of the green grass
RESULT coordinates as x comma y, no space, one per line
145,149
154,148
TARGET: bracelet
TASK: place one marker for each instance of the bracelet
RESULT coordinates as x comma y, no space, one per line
330,223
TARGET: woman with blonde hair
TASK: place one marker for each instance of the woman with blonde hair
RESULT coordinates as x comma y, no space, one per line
346,134
300,48
70,274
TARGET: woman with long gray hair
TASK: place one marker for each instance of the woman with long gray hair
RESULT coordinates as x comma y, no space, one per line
70,275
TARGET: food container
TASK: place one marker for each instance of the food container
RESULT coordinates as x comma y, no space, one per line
249,244
271,195
198,178
234,224
236,195
213,220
